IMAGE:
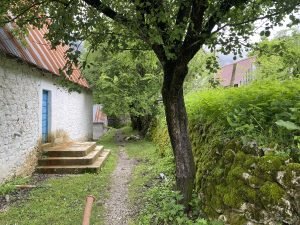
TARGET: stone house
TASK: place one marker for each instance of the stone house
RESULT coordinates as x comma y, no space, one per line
34,107
238,73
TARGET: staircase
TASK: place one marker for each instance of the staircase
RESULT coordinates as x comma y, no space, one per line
72,158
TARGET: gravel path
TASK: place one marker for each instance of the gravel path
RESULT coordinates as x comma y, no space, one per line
117,206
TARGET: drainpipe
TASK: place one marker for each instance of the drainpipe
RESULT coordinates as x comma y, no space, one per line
88,210
233,75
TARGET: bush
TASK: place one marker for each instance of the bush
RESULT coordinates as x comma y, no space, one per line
245,141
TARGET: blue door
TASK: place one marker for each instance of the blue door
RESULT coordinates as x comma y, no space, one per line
45,116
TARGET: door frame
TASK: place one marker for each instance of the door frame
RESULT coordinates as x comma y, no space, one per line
48,108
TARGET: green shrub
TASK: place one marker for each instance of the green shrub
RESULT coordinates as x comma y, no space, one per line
241,139
159,135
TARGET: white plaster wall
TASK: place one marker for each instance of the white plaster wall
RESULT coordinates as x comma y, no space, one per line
70,112
98,130
21,87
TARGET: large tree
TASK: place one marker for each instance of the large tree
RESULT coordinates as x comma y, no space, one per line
125,82
174,29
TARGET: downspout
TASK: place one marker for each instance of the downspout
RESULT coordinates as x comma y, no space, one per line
88,210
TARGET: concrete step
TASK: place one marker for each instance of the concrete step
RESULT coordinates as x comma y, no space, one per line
71,149
75,169
82,160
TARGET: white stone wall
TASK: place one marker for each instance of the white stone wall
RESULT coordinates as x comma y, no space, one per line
21,87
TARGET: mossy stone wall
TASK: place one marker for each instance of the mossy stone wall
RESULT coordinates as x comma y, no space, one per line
248,167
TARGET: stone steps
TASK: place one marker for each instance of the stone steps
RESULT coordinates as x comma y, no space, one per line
90,158
72,158
71,149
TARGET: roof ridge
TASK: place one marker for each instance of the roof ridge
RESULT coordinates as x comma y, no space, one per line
239,61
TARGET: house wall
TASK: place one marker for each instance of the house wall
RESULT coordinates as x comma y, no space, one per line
242,73
21,87
98,130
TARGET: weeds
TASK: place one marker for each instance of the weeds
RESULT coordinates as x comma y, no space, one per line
152,187
61,200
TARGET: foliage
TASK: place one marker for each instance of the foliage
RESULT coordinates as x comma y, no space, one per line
159,134
279,58
242,138
10,186
252,113
159,25
157,194
202,69
124,82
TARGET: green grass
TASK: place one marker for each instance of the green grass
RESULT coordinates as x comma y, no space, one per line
146,173
149,167
10,186
157,199
61,201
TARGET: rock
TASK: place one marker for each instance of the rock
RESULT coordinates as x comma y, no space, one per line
246,176
163,177
133,138
280,176
7,198
223,218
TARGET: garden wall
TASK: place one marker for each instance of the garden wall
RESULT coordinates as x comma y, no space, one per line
246,148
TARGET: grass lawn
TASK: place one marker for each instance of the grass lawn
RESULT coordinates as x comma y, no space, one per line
61,200
145,174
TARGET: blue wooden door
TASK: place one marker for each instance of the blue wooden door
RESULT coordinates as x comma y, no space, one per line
45,116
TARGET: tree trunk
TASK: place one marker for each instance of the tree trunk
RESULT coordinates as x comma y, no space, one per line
177,122
141,123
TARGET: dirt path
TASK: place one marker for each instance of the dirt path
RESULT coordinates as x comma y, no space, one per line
117,206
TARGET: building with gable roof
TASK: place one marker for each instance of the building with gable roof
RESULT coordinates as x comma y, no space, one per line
34,107
237,74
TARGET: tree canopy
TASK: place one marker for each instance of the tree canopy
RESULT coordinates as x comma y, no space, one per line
170,28
126,83
279,58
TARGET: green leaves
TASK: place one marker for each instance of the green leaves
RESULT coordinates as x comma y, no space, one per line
202,69
125,82
268,113
288,125
279,58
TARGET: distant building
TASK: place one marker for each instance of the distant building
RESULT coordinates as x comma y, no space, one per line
237,74
99,122
34,107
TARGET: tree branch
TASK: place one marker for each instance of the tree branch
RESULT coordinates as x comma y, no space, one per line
197,32
183,11
252,20
14,18
107,11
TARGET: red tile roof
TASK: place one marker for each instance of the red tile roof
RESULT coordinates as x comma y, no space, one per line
242,68
37,51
